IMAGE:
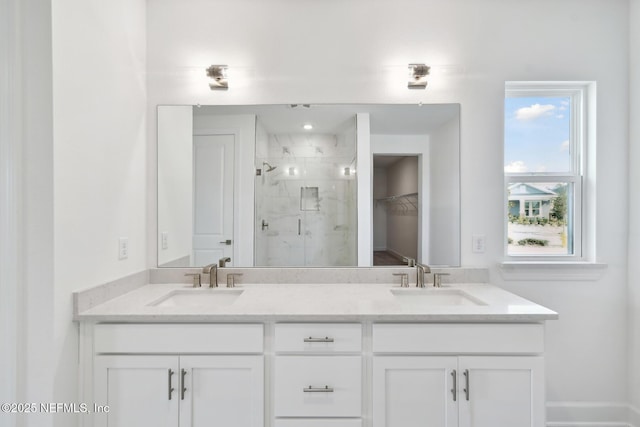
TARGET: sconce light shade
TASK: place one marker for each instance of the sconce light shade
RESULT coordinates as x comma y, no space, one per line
218,76
418,76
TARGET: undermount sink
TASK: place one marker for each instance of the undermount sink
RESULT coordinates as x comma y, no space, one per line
199,298
434,297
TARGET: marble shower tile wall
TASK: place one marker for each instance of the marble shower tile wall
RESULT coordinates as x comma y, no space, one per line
323,236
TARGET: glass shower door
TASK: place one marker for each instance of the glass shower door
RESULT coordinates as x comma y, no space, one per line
306,202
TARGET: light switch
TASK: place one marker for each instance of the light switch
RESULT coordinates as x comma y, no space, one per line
165,239
479,242
123,248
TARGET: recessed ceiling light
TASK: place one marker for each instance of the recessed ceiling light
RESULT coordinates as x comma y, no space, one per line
307,126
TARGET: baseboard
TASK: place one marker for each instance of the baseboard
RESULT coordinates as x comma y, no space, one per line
588,414
397,254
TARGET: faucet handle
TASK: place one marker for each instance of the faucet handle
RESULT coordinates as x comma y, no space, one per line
231,279
410,261
196,279
404,279
437,279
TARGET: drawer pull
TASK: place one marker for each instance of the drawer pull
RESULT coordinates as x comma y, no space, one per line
311,389
325,339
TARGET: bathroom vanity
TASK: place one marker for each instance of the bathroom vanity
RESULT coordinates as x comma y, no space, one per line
314,354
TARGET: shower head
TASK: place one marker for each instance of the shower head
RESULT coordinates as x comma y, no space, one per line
269,167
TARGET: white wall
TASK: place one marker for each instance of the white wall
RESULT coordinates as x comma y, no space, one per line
282,59
634,208
99,160
444,193
175,184
26,215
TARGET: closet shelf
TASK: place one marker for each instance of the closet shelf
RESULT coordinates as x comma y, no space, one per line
405,202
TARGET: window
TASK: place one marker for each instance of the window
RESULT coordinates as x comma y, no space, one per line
544,154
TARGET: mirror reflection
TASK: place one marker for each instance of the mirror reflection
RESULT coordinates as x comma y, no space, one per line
281,185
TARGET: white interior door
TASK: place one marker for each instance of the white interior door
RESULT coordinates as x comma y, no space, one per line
213,160
222,391
414,391
137,390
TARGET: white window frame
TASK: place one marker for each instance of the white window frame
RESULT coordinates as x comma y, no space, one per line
582,95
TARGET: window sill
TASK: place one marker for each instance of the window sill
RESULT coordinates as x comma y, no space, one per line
550,270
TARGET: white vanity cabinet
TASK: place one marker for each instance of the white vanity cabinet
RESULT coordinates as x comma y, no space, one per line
458,375
142,385
317,375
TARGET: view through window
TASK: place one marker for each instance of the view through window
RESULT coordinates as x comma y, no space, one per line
542,173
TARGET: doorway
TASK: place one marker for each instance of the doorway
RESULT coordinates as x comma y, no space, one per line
395,209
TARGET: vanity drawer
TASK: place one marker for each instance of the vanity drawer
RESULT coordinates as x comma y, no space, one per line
317,422
458,338
336,383
178,338
318,337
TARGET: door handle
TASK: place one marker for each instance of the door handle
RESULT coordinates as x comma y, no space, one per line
454,390
466,383
183,372
227,242
170,388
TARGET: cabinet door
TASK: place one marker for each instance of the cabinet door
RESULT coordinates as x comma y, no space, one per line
221,391
414,391
139,390
501,391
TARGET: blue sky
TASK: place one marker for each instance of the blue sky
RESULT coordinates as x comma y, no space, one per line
537,132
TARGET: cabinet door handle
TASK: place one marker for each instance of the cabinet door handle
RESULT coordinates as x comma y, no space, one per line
311,389
466,383
312,339
183,372
170,388
454,390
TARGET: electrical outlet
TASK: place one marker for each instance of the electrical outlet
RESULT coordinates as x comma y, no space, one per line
123,248
478,243
165,239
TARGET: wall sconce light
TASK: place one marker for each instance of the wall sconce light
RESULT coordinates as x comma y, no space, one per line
418,76
347,171
218,76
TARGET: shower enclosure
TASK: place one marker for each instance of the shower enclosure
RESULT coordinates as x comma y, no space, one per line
305,196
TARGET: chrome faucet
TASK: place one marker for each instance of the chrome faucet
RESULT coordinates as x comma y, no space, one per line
212,271
421,270
222,262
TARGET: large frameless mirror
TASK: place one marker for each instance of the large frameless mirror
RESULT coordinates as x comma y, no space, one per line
280,185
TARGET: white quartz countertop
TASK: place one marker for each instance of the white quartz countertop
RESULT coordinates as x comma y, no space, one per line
470,302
